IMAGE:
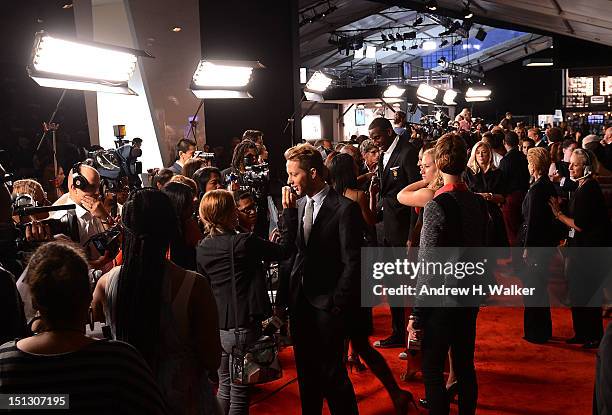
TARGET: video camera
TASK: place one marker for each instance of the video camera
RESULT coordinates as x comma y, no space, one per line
435,125
257,178
109,240
24,205
120,162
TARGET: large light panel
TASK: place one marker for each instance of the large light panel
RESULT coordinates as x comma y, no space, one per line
224,74
319,82
427,93
72,59
393,91
449,97
220,94
477,94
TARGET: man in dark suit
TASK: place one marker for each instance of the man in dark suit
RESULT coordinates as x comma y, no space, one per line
185,149
516,178
397,168
323,286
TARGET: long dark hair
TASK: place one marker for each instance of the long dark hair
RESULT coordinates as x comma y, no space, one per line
240,151
342,173
150,225
181,197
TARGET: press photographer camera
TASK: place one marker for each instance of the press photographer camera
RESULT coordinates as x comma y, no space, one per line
436,125
32,224
256,179
122,161
108,241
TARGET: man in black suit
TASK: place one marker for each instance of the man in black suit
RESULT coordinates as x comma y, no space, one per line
397,168
323,286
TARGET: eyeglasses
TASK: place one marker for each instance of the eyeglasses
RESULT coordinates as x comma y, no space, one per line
248,209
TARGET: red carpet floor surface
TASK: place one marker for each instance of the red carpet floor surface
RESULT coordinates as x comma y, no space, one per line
514,377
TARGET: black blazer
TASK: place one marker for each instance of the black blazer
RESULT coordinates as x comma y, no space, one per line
401,170
489,182
213,261
327,270
516,174
540,228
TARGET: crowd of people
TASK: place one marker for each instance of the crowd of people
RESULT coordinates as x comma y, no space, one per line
181,279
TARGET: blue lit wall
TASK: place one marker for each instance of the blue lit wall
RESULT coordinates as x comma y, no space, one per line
469,46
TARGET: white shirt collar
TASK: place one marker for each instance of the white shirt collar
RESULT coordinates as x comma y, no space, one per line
318,198
80,211
392,146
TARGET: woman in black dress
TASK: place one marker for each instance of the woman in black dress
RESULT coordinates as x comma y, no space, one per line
589,227
343,177
538,231
482,177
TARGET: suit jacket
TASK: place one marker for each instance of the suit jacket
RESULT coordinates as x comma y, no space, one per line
516,174
327,269
176,168
542,144
540,228
400,171
213,261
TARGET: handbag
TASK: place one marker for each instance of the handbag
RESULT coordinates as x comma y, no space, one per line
257,362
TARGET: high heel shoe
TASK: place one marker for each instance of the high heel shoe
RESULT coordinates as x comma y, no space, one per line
403,401
355,362
451,391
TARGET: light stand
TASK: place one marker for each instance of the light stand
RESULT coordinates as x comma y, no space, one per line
193,124
53,127
291,121
61,98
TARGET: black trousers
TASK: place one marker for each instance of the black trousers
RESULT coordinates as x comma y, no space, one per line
454,328
537,321
398,323
585,269
318,338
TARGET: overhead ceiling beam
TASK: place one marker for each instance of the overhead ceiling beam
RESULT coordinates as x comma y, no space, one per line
569,27
337,24
516,24
329,48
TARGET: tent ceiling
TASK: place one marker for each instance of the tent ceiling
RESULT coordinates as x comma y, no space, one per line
586,19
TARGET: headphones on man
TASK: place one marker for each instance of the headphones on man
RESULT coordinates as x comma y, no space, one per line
78,180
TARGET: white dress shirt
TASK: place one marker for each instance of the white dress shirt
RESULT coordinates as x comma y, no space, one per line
88,224
387,154
318,201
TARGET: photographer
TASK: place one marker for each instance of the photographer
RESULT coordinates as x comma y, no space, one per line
245,154
185,149
245,174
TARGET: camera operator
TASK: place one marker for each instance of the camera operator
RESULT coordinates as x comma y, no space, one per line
244,174
245,154
92,215
185,150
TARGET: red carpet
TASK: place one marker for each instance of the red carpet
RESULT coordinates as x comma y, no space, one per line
514,377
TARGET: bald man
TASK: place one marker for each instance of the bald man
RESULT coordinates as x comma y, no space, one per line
92,216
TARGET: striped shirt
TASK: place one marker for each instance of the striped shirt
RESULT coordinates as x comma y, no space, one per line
104,377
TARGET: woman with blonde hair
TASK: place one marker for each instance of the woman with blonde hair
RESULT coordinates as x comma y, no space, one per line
417,194
224,256
481,175
539,229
